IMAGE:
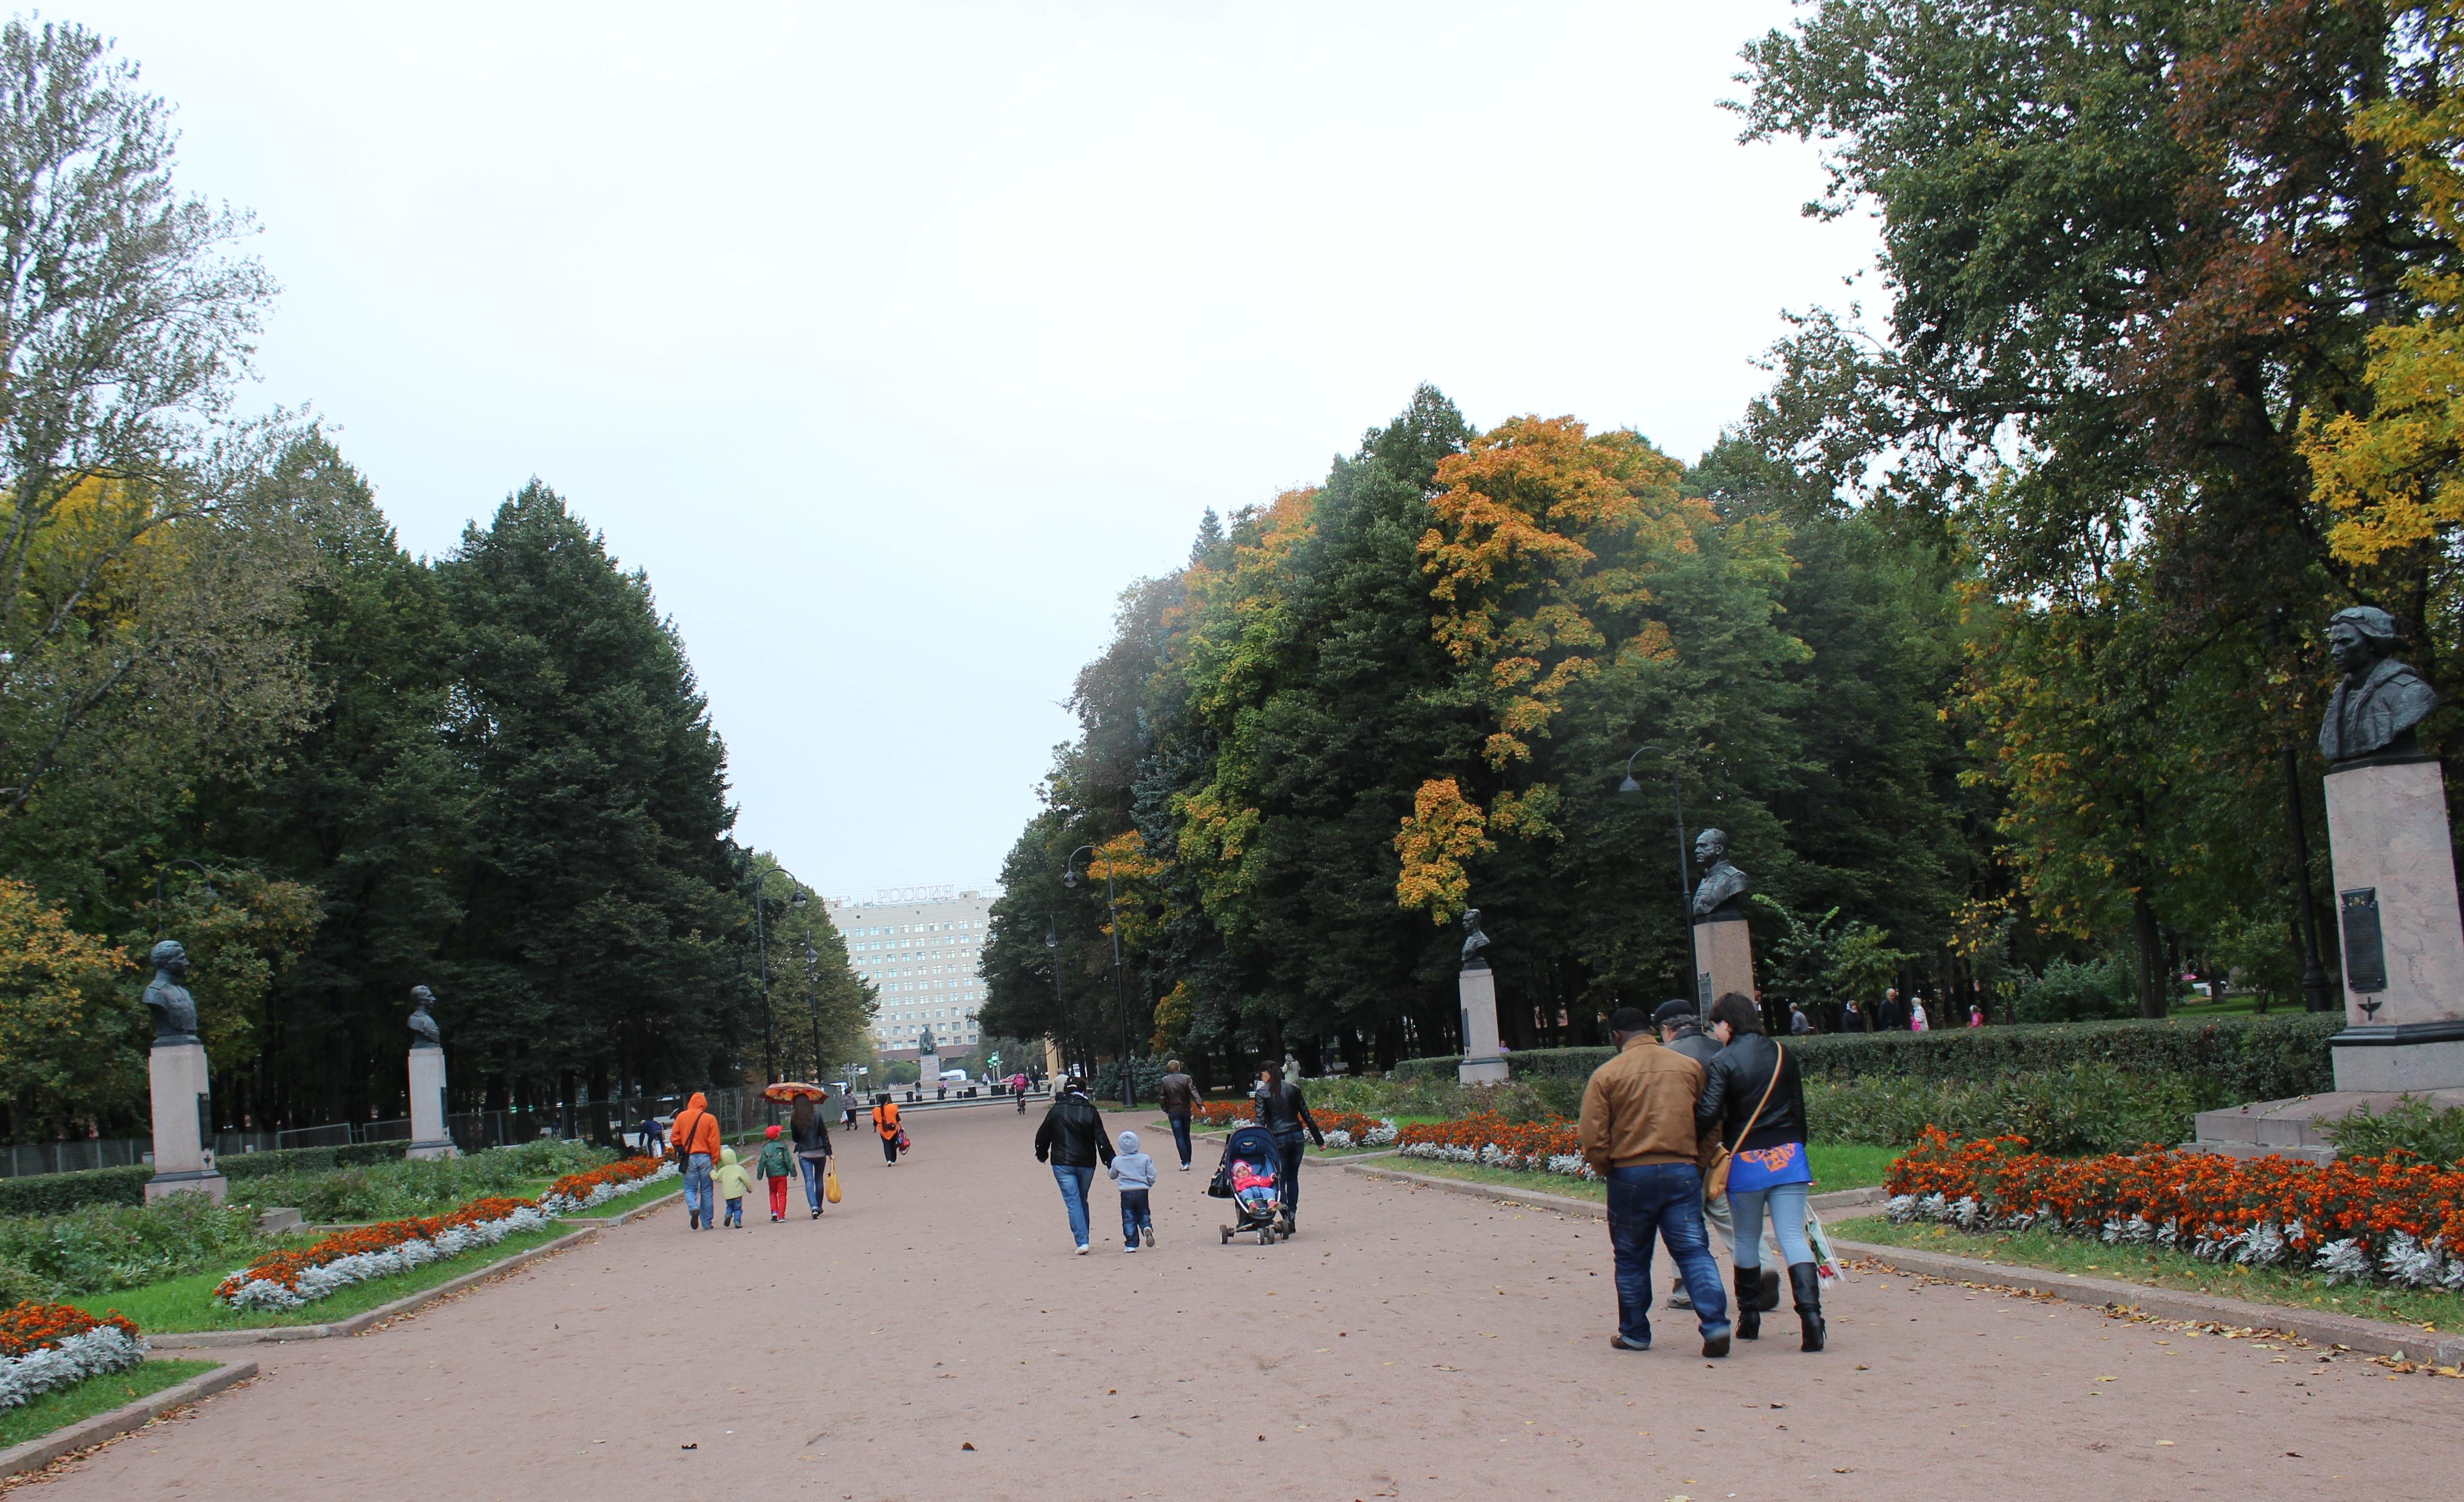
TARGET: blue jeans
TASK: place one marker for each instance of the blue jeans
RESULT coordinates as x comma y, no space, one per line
1787,1203
1180,1135
697,1197
1664,1198
1075,1181
1288,1153
1136,1215
813,1167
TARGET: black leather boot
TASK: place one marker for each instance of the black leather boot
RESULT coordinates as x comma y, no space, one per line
1806,1284
1749,1304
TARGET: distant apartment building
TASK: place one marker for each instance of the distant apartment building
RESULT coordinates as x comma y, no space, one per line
925,952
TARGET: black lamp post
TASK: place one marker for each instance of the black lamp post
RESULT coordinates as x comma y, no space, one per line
1684,896
1053,947
813,994
1120,988
211,894
762,942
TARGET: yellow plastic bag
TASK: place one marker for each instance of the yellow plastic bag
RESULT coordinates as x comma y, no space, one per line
830,1183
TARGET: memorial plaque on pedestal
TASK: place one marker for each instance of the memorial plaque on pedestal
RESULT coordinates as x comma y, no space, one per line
2398,917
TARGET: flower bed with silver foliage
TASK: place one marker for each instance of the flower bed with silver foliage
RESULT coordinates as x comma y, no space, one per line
2399,1218
51,1346
579,1192
289,1279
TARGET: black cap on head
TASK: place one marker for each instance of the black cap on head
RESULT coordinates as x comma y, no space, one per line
1628,1020
1673,1013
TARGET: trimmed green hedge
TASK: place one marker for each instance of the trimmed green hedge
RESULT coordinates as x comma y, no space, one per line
309,1159
59,1193
2248,1057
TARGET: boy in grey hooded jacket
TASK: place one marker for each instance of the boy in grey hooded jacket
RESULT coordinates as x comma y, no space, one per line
1135,1174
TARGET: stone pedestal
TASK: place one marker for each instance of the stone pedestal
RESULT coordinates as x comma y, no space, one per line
1483,1062
927,1069
184,1153
428,1138
1724,959
2403,939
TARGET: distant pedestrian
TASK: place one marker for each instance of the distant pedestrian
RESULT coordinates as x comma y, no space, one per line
885,1122
734,1184
1135,1174
1637,1132
1178,1095
1072,1138
1888,1017
1018,1088
1755,1100
1681,1030
1854,1019
1797,1025
695,1136
1975,1014
1282,1112
811,1129
777,1167
1917,1015
647,1135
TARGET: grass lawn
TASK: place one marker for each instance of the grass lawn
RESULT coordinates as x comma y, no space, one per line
1836,1165
2161,1269
187,1303
95,1395
608,1209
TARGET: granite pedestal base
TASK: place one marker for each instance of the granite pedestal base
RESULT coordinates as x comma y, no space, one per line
1483,1062
2292,1128
1723,955
183,1154
2402,936
428,1138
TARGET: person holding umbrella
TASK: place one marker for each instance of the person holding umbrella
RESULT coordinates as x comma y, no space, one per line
809,1125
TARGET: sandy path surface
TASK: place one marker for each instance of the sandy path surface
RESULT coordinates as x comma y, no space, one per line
1409,1343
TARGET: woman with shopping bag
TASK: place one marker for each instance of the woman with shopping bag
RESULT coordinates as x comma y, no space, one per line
812,1128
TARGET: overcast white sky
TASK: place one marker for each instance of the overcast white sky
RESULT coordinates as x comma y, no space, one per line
893,341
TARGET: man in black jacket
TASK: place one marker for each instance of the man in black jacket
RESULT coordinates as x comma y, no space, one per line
1074,1141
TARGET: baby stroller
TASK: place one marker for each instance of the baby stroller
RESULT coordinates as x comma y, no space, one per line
1251,1177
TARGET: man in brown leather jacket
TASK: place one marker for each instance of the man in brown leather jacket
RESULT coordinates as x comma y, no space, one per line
1178,1097
1638,1133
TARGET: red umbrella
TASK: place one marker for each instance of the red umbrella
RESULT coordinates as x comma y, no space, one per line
794,1090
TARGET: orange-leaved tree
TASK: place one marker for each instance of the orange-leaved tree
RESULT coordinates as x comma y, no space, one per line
1541,562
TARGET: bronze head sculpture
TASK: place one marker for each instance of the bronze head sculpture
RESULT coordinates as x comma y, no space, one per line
2380,701
1721,894
175,1011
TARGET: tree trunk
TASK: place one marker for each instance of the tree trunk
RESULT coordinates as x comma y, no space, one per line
2151,945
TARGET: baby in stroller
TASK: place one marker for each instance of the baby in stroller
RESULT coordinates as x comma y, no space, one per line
1249,1179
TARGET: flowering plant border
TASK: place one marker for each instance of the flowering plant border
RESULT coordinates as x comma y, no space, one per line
1491,1140
1342,1128
579,1192
291,1279
2398,1218
46,1347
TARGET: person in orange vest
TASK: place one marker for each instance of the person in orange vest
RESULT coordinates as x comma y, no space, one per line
884,1120
694,1137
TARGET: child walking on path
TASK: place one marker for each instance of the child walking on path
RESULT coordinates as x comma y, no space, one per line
777,1167
732,1182
1135,1174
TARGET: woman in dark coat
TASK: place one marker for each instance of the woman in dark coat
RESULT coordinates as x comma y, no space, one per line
1282,1112
812,1128
1771,1169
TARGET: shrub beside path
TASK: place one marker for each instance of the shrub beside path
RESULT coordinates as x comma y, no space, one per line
1410,1342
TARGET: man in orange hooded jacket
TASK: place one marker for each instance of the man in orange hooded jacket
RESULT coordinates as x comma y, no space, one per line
694,1137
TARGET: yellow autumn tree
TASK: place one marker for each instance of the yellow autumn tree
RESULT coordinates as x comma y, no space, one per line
1540,563
71,1023
2396,475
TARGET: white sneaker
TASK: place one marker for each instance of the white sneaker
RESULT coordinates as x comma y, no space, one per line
1184,1167
1130,1249
1082,1248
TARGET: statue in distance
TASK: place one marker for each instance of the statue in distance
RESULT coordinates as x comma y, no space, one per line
1721,894
175,1011
1474,941
423,1027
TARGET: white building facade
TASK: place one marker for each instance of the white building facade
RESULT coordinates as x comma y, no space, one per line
922,947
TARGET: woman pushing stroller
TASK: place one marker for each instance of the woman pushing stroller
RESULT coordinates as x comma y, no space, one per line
1285,1116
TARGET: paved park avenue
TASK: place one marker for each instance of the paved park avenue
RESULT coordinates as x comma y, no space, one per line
1408,1343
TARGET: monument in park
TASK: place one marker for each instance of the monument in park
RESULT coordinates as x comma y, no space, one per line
928,1060
1484,1061
2396,909
1724,945
428,1137
184,1115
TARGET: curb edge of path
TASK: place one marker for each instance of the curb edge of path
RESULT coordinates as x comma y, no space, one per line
1838,1200
274,1334
40,1451
2370,1336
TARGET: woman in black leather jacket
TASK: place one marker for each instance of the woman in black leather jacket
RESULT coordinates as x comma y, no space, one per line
1770,1169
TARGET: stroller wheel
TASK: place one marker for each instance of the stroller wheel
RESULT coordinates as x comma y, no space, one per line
1228,1235
1265,1235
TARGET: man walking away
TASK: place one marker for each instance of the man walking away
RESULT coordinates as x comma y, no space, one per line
1072,1138
1682,1032
1798,1024
695,1138
1638,1133
1178,1095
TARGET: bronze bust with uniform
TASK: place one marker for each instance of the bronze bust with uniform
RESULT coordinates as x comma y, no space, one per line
1722,895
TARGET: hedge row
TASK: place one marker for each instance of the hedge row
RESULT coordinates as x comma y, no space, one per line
2249,1058
59,1193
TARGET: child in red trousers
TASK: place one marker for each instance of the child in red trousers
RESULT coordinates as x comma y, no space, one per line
780,1169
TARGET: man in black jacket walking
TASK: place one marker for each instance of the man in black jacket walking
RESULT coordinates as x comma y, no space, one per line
1680,1028
1074,1141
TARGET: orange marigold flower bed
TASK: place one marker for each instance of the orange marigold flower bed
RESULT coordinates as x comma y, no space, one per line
624,1171
2399,1217
1485,1137
289,1279
32,1325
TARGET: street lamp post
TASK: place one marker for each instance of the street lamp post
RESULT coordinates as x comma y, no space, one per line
1060,1001
1120,988
211,894
813,994
1685,897
761,943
